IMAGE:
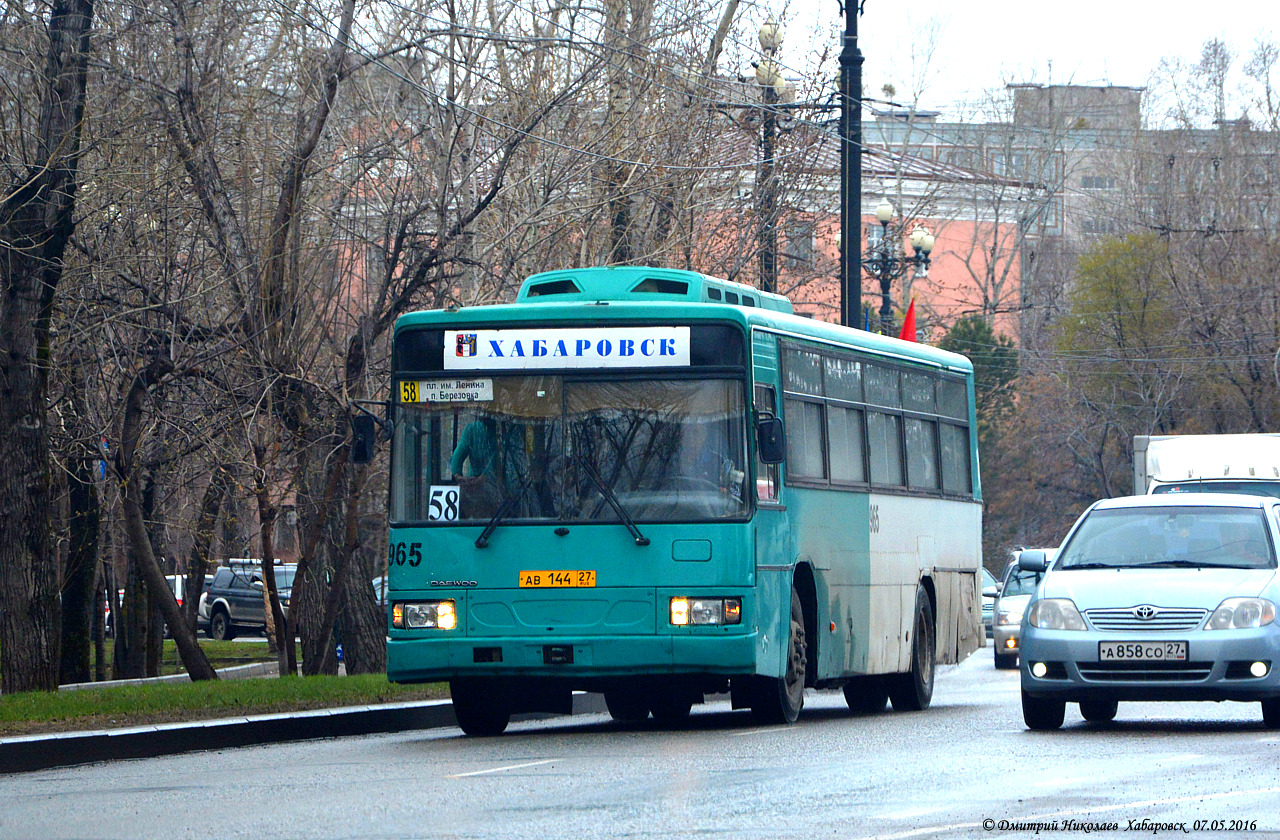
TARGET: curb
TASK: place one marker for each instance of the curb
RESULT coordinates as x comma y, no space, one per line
24,753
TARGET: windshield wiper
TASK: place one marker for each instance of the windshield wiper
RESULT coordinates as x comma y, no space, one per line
1091,564
502,512
1171,563
612,499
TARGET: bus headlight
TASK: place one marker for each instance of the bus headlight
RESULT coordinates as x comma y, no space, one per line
422,615
686,611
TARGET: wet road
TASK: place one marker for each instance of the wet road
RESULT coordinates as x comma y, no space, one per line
966,763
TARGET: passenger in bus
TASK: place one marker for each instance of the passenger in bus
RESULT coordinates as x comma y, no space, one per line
489,463
477,450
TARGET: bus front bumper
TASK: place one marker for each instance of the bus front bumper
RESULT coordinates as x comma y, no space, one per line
412,660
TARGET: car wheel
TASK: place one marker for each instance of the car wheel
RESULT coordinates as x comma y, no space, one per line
627,705
1098,711
1043,713
220,626
1271,713
1006,661
866,695
780,699
913,691
480,706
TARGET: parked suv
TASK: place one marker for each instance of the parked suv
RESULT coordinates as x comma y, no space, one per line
235,600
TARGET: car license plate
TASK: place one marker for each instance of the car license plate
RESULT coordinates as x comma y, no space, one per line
558,579
1142,651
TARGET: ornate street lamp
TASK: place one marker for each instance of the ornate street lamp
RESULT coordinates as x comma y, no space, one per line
883,263
773,90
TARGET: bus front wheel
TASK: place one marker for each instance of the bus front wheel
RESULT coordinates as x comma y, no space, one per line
779,699
629,704
480,706
913,691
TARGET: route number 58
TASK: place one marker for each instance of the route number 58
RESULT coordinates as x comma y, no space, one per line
442,503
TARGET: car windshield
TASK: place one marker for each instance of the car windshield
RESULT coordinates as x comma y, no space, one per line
1020,583
1174,536
1249,488
539,448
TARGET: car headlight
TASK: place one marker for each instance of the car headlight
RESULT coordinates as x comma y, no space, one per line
1007,617
1235,613
424,615
686,611
1055,614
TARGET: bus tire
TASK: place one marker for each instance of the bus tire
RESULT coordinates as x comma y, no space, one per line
480,706
780,699
866,695
913,691
627,705
669,709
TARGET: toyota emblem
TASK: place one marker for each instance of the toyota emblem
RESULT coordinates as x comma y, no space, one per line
1146,612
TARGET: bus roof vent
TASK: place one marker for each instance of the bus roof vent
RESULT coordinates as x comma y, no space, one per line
554,287
643,284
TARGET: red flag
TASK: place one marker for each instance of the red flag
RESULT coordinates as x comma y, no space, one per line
908,332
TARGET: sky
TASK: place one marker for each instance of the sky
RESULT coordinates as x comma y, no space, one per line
980,43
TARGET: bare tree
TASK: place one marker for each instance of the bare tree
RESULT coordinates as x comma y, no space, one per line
37,203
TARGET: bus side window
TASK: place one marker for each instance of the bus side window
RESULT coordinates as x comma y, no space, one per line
766,474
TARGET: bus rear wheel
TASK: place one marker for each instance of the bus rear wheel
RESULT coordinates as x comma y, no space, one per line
913,691
780,699
480,706
866,695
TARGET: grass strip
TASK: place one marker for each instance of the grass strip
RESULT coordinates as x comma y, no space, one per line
136,705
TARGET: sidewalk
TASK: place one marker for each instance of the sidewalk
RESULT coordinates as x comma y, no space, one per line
24,753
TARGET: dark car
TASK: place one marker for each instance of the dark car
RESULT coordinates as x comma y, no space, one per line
235,599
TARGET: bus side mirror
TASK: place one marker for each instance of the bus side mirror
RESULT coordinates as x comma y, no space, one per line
770,443
364,431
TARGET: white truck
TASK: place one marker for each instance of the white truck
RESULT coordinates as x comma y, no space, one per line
1207,463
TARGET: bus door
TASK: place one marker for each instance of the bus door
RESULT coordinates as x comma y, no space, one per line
775,560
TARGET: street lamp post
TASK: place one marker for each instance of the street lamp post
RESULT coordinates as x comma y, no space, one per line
885,264
850,168
773,89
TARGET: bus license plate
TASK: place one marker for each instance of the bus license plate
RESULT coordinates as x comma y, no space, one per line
1142,651
558,579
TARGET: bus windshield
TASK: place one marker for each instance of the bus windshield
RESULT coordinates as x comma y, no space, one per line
665,450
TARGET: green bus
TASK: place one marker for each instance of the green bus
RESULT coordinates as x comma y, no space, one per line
660,485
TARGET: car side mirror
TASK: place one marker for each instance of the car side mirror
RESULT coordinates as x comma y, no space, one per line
771,443
990,591
257,584
1033,560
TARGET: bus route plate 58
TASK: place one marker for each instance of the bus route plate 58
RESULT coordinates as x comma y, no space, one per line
558,579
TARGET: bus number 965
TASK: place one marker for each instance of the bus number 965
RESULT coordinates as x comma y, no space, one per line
402,552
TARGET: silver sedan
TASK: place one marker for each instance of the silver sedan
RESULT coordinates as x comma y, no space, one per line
1162,597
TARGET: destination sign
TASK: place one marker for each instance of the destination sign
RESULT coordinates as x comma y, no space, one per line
446,391
588,347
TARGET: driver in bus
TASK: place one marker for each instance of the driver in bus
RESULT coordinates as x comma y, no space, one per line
706,449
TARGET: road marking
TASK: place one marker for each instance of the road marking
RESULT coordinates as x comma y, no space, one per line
1082,812
764,731
500,769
